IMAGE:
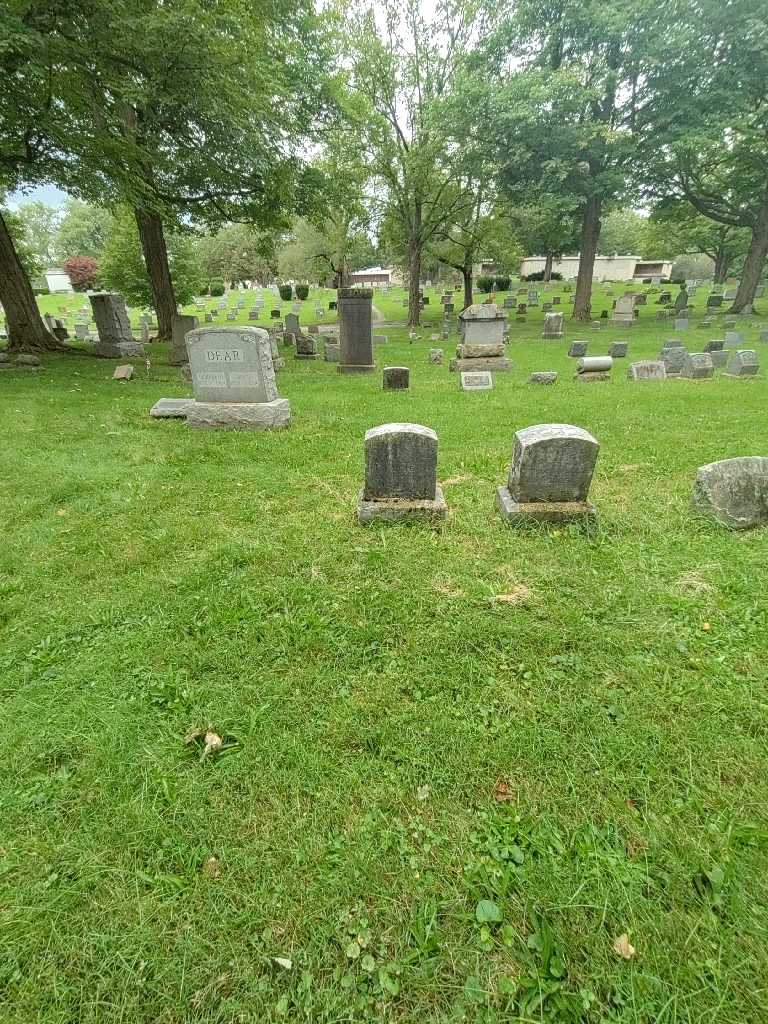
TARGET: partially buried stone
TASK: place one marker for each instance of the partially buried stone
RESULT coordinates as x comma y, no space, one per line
396,378
124,372
543,377
647,369
743,363
306,347
27,359
475,380
401,475
697,366
734,491
331,352
549,476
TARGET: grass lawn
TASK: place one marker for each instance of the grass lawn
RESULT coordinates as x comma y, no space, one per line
457,766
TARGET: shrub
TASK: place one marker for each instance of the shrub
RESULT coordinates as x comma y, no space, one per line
302,291
538,275
485,284
41,290
82,272
286,292
216,287
502,283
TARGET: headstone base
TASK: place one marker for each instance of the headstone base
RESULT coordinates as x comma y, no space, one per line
355,367
517,513
306,355
171,408
401,510
120,350
496,363
596,375
239,415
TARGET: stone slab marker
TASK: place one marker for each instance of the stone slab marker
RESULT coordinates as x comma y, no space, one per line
647,369
180,327
543,377
549,476
401,476
396,378
355,330
481,346
233,380
734,491
113,327
697,366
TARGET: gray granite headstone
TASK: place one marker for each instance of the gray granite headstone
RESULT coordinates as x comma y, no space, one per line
180,327
697,366
113,327
550,474
475,380
355,335
231,364
436,356
743,363
618,350
400,474
578,349
396,378
734,491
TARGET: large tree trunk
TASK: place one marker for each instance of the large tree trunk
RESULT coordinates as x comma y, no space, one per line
590,232
26,330
548,267
721,266
415,246
156,259
466,273
755,261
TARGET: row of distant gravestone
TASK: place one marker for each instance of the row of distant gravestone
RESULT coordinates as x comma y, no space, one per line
548,482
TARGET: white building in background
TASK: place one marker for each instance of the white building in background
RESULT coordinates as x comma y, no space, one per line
607,268
375,276
57,280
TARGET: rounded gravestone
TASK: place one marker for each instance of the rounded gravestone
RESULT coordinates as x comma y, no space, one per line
734,491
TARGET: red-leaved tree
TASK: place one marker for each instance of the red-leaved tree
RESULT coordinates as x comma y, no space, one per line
82,271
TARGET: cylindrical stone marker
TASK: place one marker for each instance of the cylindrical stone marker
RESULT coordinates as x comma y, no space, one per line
594,364
355,335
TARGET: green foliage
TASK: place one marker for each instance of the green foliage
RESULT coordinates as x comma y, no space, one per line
285,291
217,287
501,284
302,291
83,230
28,255
40,224
122,266
238,252
625,232
486,284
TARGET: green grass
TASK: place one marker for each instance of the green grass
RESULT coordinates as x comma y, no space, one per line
372,693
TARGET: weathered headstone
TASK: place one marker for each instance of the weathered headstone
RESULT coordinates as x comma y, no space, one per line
396,378
379,339
306,346
113,327
743,363
647,369
715,345
734,491
549,476
481,346
697,366
180,327
124,372
578,349
618,350
233,380
356,340
624,311
436,356
554,324
401,475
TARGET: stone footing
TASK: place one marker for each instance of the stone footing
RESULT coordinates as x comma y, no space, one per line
400,510
239,415
307,355
519,512
120,350
595,375
496,363
355,367
171,408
